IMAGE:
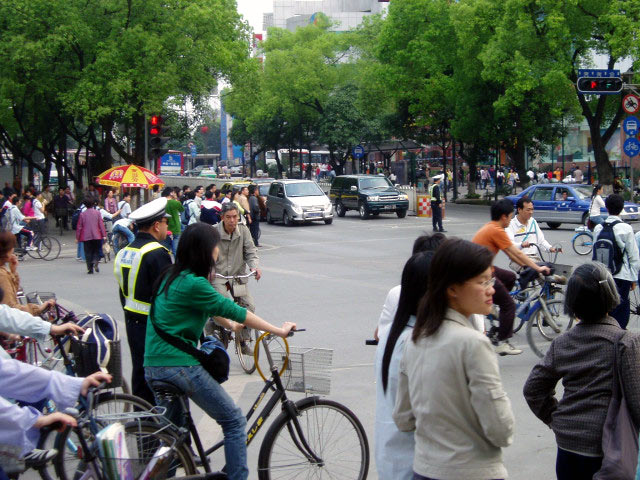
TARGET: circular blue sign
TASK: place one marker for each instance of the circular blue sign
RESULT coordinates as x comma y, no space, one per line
631,125
358,151
631,147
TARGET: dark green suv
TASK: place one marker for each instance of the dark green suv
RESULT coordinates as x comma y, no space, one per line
369,194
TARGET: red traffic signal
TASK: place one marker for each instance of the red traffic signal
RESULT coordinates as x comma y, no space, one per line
157,136
599,86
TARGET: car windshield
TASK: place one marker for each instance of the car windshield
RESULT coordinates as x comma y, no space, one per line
303,189
583,192
375,182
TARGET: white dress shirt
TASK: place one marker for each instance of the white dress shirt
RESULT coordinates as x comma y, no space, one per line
529,232
627,242
27,383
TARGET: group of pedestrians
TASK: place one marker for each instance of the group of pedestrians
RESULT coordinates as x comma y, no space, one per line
441,409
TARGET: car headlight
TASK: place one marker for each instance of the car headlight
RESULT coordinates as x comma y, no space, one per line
403,196
328,207
373,198
297,209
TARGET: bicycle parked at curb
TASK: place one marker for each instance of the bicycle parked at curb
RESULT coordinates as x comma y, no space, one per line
244,340
310,438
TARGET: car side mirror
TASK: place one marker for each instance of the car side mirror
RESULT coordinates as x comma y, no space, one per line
354,188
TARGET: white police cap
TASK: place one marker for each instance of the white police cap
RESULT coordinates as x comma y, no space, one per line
438,177
150,211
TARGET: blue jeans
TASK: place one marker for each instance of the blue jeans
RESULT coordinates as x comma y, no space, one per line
216,402
124,231
174,246
598,219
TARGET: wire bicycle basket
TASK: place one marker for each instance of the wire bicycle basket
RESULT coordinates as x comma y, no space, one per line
309,370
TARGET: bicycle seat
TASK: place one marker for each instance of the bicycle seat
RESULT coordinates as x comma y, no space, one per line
166,389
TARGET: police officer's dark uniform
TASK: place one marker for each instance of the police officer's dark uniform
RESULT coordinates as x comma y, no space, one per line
137,267
436,201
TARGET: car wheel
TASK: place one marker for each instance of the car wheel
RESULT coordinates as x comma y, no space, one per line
286,219
340,210
328,221
364,211
585,218
554,225
269,218
401,213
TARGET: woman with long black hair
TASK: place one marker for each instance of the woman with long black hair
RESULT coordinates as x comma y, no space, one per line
449,388
183,301
394,449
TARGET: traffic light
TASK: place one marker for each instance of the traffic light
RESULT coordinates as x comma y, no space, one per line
599,85
157,136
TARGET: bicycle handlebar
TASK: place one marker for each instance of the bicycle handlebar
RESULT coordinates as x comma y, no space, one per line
371,342
236,277
291,332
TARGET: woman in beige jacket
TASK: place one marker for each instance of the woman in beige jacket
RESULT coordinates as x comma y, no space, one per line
449,390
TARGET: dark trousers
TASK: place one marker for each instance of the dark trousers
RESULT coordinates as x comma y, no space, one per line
254,228
92,252
436,216
420,477
504,283
571,466
622,311
136,334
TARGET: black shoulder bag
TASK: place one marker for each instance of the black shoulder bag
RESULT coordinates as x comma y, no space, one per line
215,362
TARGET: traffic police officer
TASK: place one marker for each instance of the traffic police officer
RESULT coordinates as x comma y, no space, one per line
436,201
136,268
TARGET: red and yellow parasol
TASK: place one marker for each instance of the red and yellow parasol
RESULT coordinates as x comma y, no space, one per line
129,176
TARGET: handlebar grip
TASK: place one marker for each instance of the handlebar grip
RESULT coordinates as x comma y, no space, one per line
291,332
371,342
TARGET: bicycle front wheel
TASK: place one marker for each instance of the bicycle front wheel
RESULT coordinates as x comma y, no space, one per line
542,328
582,243
49,248
332,432
246,343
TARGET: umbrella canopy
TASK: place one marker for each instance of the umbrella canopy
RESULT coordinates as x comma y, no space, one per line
129,176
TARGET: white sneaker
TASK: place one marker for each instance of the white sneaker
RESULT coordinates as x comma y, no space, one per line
505,348
31,249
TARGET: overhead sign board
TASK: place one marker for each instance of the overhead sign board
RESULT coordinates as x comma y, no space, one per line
171,163
599,82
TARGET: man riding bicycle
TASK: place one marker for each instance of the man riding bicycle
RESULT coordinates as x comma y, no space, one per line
493,236
237,251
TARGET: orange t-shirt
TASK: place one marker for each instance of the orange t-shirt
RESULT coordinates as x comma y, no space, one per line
492,236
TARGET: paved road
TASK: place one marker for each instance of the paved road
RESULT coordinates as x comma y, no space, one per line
332,280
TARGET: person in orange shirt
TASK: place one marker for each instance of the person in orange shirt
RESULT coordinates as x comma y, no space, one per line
493,236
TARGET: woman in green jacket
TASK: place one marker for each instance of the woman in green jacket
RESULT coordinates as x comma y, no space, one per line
184,299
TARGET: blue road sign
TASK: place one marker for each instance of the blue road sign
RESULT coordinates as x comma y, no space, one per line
631,147
358,152
194,151
630,126
598,73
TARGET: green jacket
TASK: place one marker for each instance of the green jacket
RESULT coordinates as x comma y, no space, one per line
174,208
182,311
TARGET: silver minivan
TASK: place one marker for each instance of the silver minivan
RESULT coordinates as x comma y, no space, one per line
299,201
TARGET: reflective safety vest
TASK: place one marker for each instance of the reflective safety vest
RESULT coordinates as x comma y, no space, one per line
126,269
431,187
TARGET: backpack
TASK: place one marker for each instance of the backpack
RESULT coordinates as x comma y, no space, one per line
606,249
209,215
186,215
74,218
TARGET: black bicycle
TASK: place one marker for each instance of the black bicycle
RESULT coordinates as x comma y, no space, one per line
310,438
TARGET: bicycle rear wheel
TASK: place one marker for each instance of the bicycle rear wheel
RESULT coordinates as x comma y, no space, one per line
333,433
541,328
50,248
246,344
68,464
582,243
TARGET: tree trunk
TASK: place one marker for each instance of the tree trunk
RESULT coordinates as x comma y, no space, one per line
140,124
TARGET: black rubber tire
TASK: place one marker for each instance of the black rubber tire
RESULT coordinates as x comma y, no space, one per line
554,225
313,412
540,336
63,462
286,219
363,210
583,243
585,218
51,246
340,210
328,221
401,213
247,362
269,218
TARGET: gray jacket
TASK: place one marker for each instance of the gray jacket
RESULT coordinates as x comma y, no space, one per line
451,395
583,359
237,251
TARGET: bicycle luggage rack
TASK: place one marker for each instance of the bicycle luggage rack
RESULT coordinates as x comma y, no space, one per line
309,370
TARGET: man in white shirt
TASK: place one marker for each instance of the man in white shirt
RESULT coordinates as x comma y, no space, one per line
626,241
524,232
124,207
